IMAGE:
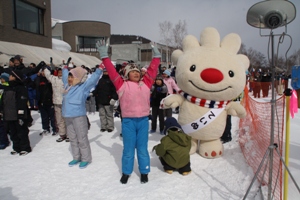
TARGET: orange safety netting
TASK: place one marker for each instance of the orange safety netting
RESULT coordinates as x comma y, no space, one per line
254,139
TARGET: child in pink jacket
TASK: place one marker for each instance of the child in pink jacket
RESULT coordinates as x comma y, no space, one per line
134,97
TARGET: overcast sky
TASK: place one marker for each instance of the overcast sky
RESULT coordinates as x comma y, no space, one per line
142,17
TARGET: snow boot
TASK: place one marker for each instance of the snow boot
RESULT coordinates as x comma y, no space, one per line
83,165
124,178
144,178
73,163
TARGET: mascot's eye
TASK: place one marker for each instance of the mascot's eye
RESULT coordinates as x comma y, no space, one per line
193,68
231,73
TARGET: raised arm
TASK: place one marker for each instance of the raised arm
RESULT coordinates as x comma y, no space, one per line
65,73
150,76
49,76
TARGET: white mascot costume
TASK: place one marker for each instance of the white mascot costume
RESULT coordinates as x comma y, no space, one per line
209,74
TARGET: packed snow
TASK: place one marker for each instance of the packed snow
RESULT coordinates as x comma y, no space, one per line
44,173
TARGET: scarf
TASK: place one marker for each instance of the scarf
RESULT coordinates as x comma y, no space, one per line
203,102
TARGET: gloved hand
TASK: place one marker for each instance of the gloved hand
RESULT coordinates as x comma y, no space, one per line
41,64
117,114
68,61
154,148
102,48
158,89
155,51
112,102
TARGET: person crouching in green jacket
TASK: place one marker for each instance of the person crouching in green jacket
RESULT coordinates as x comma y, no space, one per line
174,148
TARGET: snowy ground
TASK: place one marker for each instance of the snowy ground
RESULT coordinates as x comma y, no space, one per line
44,174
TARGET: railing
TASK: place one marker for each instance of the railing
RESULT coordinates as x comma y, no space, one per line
86,48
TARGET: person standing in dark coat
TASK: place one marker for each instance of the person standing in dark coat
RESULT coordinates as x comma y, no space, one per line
46,106
158,92
4,141
26,72
15,113
226,136
30,83
106,96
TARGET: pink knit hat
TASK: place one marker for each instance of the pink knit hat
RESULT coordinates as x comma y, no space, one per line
78,72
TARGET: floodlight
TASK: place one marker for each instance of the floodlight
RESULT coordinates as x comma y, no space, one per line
271,14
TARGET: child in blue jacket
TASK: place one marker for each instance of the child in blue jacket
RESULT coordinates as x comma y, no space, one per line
77,89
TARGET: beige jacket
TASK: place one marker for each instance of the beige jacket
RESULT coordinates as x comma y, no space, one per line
57,86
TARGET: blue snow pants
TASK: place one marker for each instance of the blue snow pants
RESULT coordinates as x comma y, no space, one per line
135,136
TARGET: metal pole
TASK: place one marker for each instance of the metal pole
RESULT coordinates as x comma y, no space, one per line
272,119
257,171
287,147
286,167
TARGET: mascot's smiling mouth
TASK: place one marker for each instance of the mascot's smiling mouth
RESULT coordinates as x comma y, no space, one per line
209,90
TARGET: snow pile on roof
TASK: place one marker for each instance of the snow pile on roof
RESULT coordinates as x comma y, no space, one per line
55,21
60,45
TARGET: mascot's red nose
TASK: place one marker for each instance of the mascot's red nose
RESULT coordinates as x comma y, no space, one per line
211,75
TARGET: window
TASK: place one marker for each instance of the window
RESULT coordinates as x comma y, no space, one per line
87,44
164,57
28,17
56,37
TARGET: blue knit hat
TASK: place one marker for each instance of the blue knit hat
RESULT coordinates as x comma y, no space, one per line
5,76
167,72
171,122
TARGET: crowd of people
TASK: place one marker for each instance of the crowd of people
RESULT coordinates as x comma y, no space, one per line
260,82
65,95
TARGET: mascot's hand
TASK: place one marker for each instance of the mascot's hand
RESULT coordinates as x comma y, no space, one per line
236,109
171,105
173,101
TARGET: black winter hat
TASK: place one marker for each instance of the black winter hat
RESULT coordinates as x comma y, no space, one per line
171,122
17,57
159,77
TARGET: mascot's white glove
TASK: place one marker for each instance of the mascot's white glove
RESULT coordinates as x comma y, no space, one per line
112,102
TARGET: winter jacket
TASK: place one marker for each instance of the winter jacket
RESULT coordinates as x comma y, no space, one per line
30,82
44,91
174,148
105,91
57,87
14,101
157,94
26,71
134,97
74,97
170,83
